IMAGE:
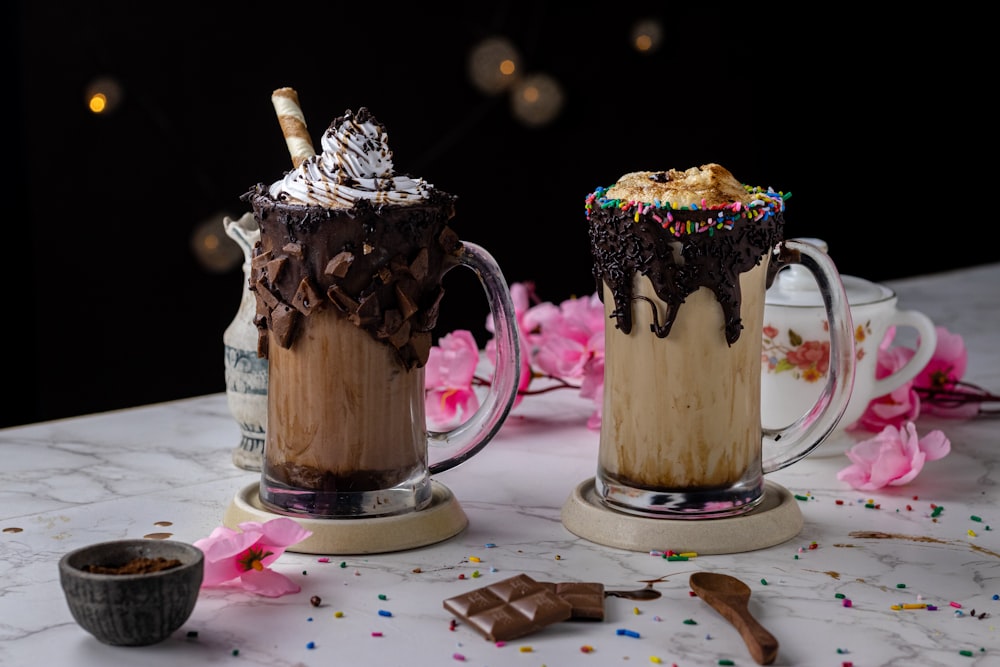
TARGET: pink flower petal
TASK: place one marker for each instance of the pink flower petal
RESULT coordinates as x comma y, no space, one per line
268,583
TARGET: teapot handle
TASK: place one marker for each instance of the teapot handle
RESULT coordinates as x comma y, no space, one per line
473,434
784,446
244,231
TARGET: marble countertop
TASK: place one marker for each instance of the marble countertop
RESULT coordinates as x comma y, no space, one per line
166,469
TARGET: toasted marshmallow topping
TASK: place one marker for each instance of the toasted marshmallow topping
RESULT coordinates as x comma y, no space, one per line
355,164
706,186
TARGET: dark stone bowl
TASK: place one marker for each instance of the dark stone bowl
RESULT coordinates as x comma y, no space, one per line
134,609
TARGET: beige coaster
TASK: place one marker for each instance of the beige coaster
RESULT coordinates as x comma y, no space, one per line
442,519
777,519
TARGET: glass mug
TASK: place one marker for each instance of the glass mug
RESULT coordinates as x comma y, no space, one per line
796,349
681,432
346,428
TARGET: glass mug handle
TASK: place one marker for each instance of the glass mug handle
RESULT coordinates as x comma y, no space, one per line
473,434
784,446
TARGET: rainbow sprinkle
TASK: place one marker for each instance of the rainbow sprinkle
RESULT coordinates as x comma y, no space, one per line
765,203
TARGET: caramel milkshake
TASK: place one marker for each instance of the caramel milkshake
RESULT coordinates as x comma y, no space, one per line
682,260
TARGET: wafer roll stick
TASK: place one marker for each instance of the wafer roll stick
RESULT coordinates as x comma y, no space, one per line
293,124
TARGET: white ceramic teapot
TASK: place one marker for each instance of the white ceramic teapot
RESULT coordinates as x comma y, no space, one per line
797,349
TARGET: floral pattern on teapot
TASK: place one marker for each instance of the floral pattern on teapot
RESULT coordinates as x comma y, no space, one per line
808,360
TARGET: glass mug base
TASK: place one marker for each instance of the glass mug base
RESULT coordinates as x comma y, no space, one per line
687,503
411,495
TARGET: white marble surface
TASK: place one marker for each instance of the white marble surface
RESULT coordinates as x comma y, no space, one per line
73,482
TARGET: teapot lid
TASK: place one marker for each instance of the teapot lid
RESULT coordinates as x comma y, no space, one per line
795,286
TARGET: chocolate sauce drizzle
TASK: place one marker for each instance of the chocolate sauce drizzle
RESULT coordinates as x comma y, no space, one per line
676,267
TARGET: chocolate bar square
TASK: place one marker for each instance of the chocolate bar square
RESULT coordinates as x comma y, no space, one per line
587,599
510,608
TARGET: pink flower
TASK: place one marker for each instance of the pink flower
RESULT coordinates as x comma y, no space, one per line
522,295
449,372
897,407
943,372
893,457
247,555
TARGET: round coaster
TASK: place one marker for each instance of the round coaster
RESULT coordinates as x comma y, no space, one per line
777,519
442,519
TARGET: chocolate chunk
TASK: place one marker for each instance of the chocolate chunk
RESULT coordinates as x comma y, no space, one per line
510,608
265,295
306,298
587,599
284,319
293,249
339,265
274,268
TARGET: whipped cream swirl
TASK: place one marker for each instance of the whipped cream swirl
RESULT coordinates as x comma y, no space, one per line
356,164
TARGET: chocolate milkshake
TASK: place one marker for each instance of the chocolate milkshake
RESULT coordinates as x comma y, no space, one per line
347,276
682,260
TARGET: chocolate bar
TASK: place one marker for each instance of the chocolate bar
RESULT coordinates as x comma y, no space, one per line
510,608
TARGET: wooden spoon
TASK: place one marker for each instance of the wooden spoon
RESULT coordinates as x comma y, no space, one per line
729,596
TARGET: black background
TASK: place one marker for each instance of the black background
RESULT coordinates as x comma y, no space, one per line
882,130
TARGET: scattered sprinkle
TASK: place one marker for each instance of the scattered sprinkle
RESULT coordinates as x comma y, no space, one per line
975,518
343,563
655,660
967,654
635,610
558,557
841,651
956,605
236,651
376,633
458,656
500,644
690,621
840,596
381,596
763,582
383,612
525,649
586,648
677,557
937,511
315,601
622,632
474,559
338,614
311,645
900,585
324,559
475,574
726,661
971,532
799,496
688,554
489,545
847,603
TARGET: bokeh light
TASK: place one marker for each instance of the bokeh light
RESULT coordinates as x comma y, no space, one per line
536,100
647,36
213,248
493,65
103,95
